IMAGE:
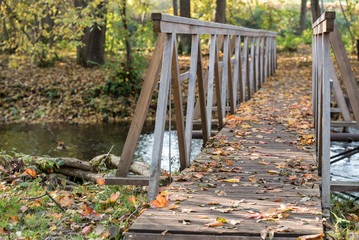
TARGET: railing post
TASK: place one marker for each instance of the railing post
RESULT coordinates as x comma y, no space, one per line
155,170
245,69
251,71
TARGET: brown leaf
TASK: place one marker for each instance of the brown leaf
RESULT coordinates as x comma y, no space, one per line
86,230
215,224
252,179
312,237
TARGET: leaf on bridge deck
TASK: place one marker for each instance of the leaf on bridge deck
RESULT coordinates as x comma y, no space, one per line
160,201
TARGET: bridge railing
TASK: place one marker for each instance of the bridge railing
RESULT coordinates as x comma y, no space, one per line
249,58
324,79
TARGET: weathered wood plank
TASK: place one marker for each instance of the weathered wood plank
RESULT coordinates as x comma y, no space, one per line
257,68
129,180
251,70
177,97
344,186
245,70
155,170
141,110
345,71
225,74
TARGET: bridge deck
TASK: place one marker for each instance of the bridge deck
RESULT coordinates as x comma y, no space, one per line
258,173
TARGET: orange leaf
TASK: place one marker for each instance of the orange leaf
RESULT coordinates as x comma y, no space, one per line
202,216
114,197
31,172
160,202
277,200
312,237
263,163
215,224
132,199
294,177
229,162
100,181
172,207
252,179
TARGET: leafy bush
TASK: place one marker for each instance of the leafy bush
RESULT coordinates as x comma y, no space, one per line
288,42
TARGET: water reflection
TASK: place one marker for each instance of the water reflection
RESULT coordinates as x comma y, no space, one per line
84,141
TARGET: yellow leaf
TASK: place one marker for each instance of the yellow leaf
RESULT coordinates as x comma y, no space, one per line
233,180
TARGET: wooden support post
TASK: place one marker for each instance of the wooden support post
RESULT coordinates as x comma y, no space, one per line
261,63
338,93
231,89
211,76
237,72
346,71
245,70
202,92
257,69
217,81
225,69
266,61
251,71
141,110
155,171
326,123
314,69
191,95
319,101
177,97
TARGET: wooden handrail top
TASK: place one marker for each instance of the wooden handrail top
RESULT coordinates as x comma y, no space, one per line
173,24
324,24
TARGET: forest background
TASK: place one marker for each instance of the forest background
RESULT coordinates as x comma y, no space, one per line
84,60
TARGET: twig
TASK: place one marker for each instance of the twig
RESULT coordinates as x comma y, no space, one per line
43,195
108,153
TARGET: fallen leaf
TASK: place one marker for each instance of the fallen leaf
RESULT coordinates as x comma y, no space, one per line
263,163
252,179
30,172
222,220
233,180
294,177
100,181
172,207
86,230
189,210
202,216
312,237
215,224
160,202
132,199
277,200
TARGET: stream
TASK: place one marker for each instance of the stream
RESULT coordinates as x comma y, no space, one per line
85,141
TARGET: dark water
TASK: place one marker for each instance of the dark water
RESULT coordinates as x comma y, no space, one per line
85,141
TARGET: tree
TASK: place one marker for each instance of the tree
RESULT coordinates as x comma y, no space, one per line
127,36
220,11
303,16
185,40
92,49
315,9
175,7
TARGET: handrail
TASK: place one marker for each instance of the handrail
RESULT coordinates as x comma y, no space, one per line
326,34
233,80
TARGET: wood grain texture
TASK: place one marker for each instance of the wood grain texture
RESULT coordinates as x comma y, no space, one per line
141,110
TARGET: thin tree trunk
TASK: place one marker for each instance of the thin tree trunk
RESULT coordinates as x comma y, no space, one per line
303,16
185,40
127,36
93,48
175,7
347,23
220,11
315,9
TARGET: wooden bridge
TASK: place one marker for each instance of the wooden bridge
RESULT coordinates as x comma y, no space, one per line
257,177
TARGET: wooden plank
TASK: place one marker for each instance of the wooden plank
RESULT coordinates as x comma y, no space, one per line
338,93
325,23
237,71
217,81
314,69
242,86
266,61
174,24
257,69
251,70
155,170
343,124
141,110
269,56
225,70
184,236
177,97
345,71
197,109
184,76
231,90
326,123
202,93
211,76
129,180
191,95
342,186
319,99
261,63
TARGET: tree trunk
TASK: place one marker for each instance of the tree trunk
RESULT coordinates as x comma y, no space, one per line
127,36
93,48
315,9
185,40
303,16
220,11
175,7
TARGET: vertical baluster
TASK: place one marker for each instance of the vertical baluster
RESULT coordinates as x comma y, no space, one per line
266,60
257,71
261,67
251,71
177,99
225,69
237,72
319,101
244,69
211,72
155,171
191,95
326,122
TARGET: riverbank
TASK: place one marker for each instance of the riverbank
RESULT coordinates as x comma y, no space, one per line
65,92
